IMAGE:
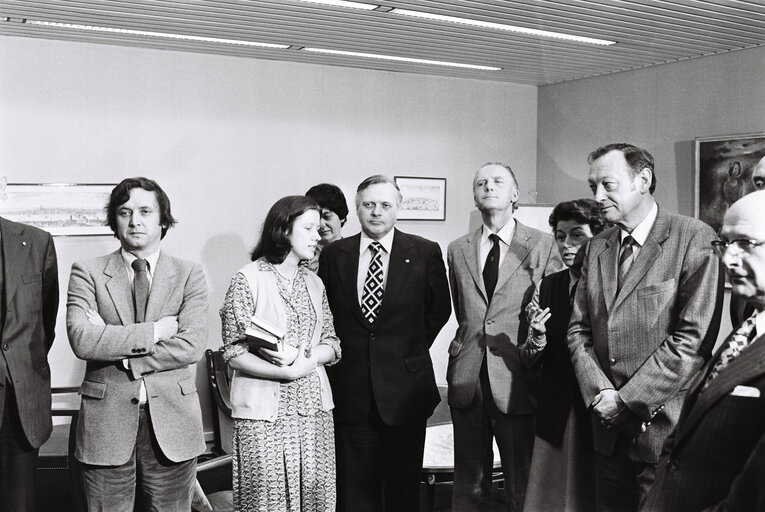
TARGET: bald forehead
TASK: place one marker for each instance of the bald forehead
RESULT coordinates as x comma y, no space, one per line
749,211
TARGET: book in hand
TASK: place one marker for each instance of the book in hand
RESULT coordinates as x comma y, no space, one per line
263,334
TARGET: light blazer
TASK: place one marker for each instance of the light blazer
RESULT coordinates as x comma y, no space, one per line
394,353
255,398
648,340
108,422
715,458
28,324
531,256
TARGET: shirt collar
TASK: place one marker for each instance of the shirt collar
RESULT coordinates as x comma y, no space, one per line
128,258
386,242
505,233
642,230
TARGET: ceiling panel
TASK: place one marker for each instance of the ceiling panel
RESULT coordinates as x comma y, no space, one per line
648,32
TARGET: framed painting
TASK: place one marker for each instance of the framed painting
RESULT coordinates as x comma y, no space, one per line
62,209
727,168
423,198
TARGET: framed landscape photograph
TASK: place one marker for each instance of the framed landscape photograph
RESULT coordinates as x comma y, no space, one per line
424,198
62,209
726,170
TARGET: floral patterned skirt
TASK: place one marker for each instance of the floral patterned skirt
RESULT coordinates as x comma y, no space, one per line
287,465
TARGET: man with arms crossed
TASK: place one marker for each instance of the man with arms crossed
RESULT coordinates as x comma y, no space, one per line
138,317
645,317
389,297
490,389
29,303
715,458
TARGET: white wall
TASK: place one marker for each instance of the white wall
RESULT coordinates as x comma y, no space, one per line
226,137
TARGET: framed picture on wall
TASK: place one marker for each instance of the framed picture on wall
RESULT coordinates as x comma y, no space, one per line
727,168
62,209
424,198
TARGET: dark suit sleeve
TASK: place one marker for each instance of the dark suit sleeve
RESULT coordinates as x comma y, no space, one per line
747,494
438,306
50,293
699,306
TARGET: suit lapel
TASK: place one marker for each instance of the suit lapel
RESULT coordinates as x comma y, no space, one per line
399,267
517,252
348,269
15,252
471,251
607,262
647,256
161,286
748,365
119,288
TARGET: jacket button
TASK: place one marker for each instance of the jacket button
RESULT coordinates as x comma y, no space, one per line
489,322
134,401
612,361
6,346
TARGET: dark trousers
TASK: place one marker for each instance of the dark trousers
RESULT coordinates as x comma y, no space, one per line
378,466
622,480
17,460
474,428
163,485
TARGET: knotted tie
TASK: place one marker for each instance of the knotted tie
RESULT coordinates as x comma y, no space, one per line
625,259
371,296
140,288
491,267
737,342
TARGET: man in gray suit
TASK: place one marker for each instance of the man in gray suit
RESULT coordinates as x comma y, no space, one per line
138,317
29,300
490,389
645,317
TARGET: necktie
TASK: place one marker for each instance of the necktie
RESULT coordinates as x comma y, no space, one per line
371,296
491,267
737,342
625,259
140,288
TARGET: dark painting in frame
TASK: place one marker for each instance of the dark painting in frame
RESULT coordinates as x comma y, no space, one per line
725,172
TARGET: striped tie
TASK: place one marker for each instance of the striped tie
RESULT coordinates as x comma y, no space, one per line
371,296
625,259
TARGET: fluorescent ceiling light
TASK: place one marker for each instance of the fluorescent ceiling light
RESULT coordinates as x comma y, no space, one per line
500,26
164,35
401,59
343,3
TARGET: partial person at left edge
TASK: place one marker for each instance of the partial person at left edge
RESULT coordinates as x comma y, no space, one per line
138,317
29,299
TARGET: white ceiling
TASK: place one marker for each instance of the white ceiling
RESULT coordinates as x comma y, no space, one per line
648,32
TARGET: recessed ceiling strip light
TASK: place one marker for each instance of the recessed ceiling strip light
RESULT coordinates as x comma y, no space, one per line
165,35
344,3
500,26
401,59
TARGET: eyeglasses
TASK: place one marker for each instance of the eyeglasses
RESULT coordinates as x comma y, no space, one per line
743,245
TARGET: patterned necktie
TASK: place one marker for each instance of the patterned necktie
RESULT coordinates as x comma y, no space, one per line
491,267
737,342
371,296
625,259
140,288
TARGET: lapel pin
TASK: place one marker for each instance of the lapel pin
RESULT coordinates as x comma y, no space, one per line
24,244
406,261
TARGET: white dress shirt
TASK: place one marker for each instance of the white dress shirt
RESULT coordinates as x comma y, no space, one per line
640,233
365,258
505,235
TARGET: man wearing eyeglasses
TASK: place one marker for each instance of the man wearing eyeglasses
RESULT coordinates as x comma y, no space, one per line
715,458
645,316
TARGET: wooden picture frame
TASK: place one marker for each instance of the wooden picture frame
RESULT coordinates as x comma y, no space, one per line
423,198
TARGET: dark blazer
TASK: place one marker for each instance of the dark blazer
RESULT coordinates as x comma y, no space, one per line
30,303
649,338
558,390
715,458
394,354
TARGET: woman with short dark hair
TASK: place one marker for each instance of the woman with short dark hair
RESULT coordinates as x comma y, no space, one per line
334,213
284,449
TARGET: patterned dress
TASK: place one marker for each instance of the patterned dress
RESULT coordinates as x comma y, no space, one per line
287,464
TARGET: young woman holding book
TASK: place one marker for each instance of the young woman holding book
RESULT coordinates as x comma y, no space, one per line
284,451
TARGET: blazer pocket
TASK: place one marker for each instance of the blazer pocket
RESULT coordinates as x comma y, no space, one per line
454,347
418,363
657,289
31,278
93,389
187,385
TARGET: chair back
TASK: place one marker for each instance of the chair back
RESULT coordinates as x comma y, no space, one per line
219,382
